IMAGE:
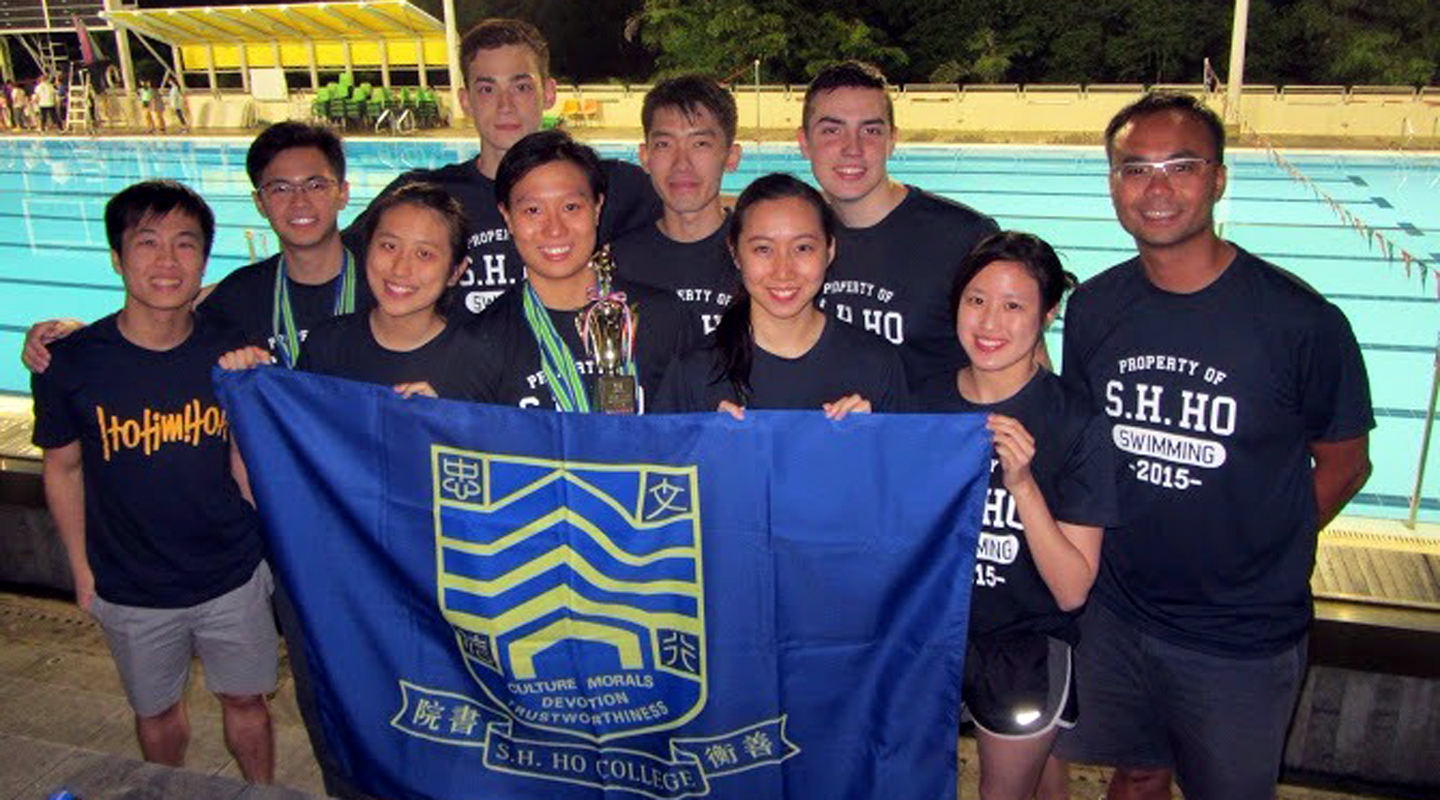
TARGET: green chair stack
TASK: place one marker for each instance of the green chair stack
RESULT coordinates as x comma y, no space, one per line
335,108
319,107
375,106
427,114
355,107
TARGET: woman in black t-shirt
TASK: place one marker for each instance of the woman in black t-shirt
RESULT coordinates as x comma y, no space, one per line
1051,494
415,253
541,335
774,348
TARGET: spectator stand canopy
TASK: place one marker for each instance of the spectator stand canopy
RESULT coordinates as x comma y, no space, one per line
328,36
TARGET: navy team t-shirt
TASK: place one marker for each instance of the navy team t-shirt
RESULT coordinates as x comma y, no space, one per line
509,360
165,524
245,300
843,361
1215,396
1075,472
345,347
702,274
894,278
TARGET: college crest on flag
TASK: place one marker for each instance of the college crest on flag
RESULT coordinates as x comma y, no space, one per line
503,604
575,590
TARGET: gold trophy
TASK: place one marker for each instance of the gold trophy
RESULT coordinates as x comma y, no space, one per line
608,329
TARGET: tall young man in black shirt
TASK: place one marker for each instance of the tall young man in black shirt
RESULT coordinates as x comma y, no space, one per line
689,145
164,549
506,63
1242,415
899,246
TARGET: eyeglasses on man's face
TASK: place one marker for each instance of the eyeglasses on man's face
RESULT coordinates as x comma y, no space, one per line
285,190
1173,168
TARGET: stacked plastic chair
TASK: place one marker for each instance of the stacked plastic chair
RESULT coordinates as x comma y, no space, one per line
319,106
375,105
427,114
355,107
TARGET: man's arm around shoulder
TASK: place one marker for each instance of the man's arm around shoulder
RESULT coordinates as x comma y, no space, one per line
36,352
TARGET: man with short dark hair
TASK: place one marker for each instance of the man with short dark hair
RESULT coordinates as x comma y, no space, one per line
689,145
298,171
163,547
1242,412
506,65
899,246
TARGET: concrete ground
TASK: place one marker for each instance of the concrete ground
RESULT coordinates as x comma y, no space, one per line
64,722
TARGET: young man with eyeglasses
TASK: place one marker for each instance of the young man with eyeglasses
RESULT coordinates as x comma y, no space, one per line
298,171
508,86
1242,414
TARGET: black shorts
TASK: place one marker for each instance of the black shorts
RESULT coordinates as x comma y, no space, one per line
1021,686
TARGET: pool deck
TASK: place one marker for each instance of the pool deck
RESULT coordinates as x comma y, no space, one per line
64,723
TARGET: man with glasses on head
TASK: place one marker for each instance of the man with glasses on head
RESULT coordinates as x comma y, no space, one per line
1241,412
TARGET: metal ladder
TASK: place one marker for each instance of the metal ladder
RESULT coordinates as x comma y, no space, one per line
54,55
77,105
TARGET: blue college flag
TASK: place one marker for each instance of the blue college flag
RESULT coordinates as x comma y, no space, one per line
501,603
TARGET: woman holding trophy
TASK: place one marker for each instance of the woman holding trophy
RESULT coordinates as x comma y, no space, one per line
572,336
774,348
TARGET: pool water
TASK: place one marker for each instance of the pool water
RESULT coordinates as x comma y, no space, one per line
54,260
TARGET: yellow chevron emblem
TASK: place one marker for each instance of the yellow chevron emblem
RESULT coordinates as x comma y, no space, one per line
575,589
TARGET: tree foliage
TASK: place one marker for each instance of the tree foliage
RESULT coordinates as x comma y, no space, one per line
711,37
1054,41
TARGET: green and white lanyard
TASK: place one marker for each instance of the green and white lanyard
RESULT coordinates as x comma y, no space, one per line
287,334
556,359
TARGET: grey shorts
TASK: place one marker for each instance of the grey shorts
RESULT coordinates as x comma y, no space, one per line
1218,722
234,635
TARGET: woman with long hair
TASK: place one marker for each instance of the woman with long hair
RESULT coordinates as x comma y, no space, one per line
774,347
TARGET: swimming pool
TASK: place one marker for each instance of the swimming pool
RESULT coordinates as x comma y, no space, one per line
54,258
